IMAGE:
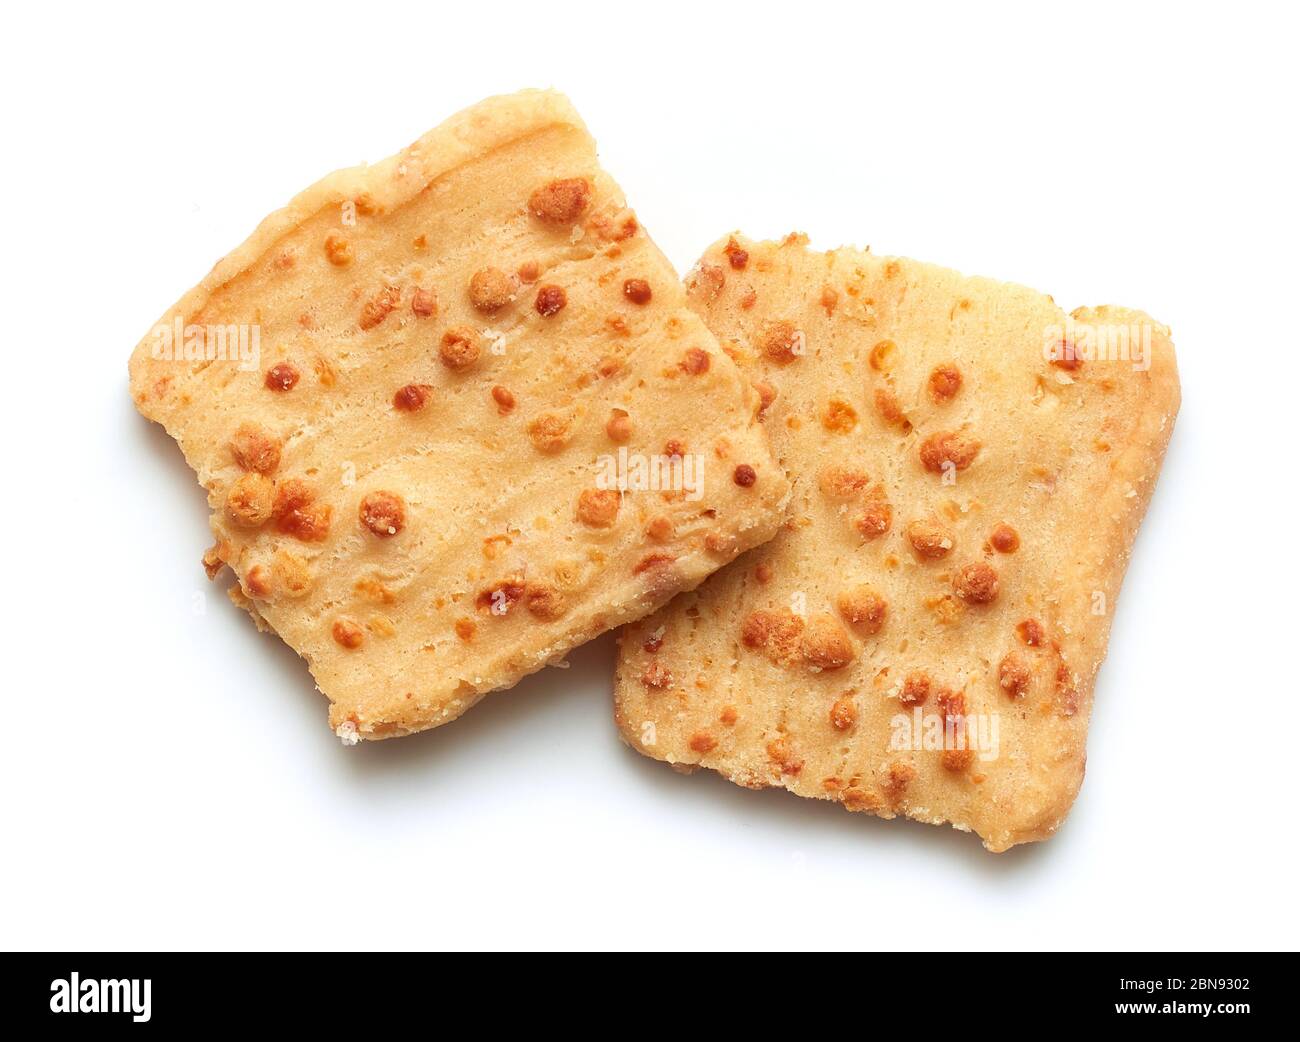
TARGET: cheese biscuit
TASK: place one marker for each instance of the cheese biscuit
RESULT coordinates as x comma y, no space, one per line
969,467
454,417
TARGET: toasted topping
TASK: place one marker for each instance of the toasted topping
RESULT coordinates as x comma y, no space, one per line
878,515
882,356
379,307
825,644
766,395
916,688
781,753
637,291
459,349
720,543
292,573
412,397
297,514
423,303
281,377
957,760
841,482
1067,356
660,528
257,583
948,447
763,572
292,494
249,501
619,425
255,448
889,409
702,742
863,609
491,289
562,201
338,250
1014,674
744,475
946,610
976,583
945,382
735,255
656,675
653,562
374,590
504,398
1067,693
844,713
774,632
839,416
856,799
929,538
829,299
544,602
384,513
499,598
1005,539
598,508
695,361
529,272
348,634
728,715
953,706
706,283
781,342
550,432
616,227
900,776
465,629
550,299
1031,632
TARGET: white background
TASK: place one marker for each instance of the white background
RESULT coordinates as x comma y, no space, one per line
168,778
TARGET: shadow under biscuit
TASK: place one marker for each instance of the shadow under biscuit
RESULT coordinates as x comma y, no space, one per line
474,741
809,822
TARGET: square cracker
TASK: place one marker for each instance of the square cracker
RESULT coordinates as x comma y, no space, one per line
450,344
968,476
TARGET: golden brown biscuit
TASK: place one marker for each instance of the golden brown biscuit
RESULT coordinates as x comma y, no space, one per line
403,395
969,468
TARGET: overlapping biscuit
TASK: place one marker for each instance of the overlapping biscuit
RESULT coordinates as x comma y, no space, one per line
969,469
406,395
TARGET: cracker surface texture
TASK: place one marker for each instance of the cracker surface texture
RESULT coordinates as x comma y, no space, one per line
407,455
969,468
